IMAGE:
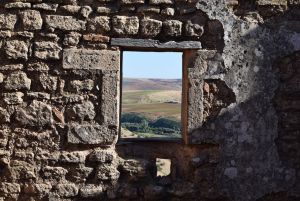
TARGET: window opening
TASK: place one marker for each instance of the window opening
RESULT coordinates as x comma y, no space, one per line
151,94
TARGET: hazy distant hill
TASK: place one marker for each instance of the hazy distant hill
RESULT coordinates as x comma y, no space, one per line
130,84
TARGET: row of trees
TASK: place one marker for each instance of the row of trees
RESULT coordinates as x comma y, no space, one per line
163,126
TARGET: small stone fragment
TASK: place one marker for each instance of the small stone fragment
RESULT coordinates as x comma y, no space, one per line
12,67
123,25
72,39
157,2
65,23
31,20
4,116
85,11
17,81
85,85
96,38
107,172
39,66
17,5
193,29
132,1
168,11
13,98
46,6
47,50
1,78
102,156
172,27
71,9
99,24
73,157
150,27
7,21
48,82
91,190
16,49
148,9
106,10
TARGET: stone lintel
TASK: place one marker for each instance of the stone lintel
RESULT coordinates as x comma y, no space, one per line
150,43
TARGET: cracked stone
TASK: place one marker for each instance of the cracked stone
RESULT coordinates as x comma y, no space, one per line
100,24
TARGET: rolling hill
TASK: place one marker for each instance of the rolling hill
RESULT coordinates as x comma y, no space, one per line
132,84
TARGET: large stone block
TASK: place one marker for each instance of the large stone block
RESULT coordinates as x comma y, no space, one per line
91,59
7,21
110,92
123,25
36,114
17,81
90,134
31,20
65,23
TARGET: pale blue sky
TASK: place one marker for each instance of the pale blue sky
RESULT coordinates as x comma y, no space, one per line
166,65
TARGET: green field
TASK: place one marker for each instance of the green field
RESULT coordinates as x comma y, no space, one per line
151,105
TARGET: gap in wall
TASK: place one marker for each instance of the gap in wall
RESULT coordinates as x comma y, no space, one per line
151,94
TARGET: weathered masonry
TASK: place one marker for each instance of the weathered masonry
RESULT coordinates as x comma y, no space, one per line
60,100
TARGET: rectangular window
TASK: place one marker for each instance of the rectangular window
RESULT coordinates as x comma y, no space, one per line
151,94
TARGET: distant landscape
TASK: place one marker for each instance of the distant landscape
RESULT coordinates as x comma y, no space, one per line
151,108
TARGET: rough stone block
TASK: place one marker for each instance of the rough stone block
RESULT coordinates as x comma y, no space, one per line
65,23
13,67
9,188
157,2
85,11
73,157
109,106
17,81
102,156
7,21
18,5
150,27
107,172
48,83
91,190
4,116
91,59
47,50
90,134
37,114
31,20
132,1
81,112
46,6
13,98
172,28
66,190
271,2
123,25
16,49
148,9
106,10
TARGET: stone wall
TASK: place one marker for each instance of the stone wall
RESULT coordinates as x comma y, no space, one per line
60,99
